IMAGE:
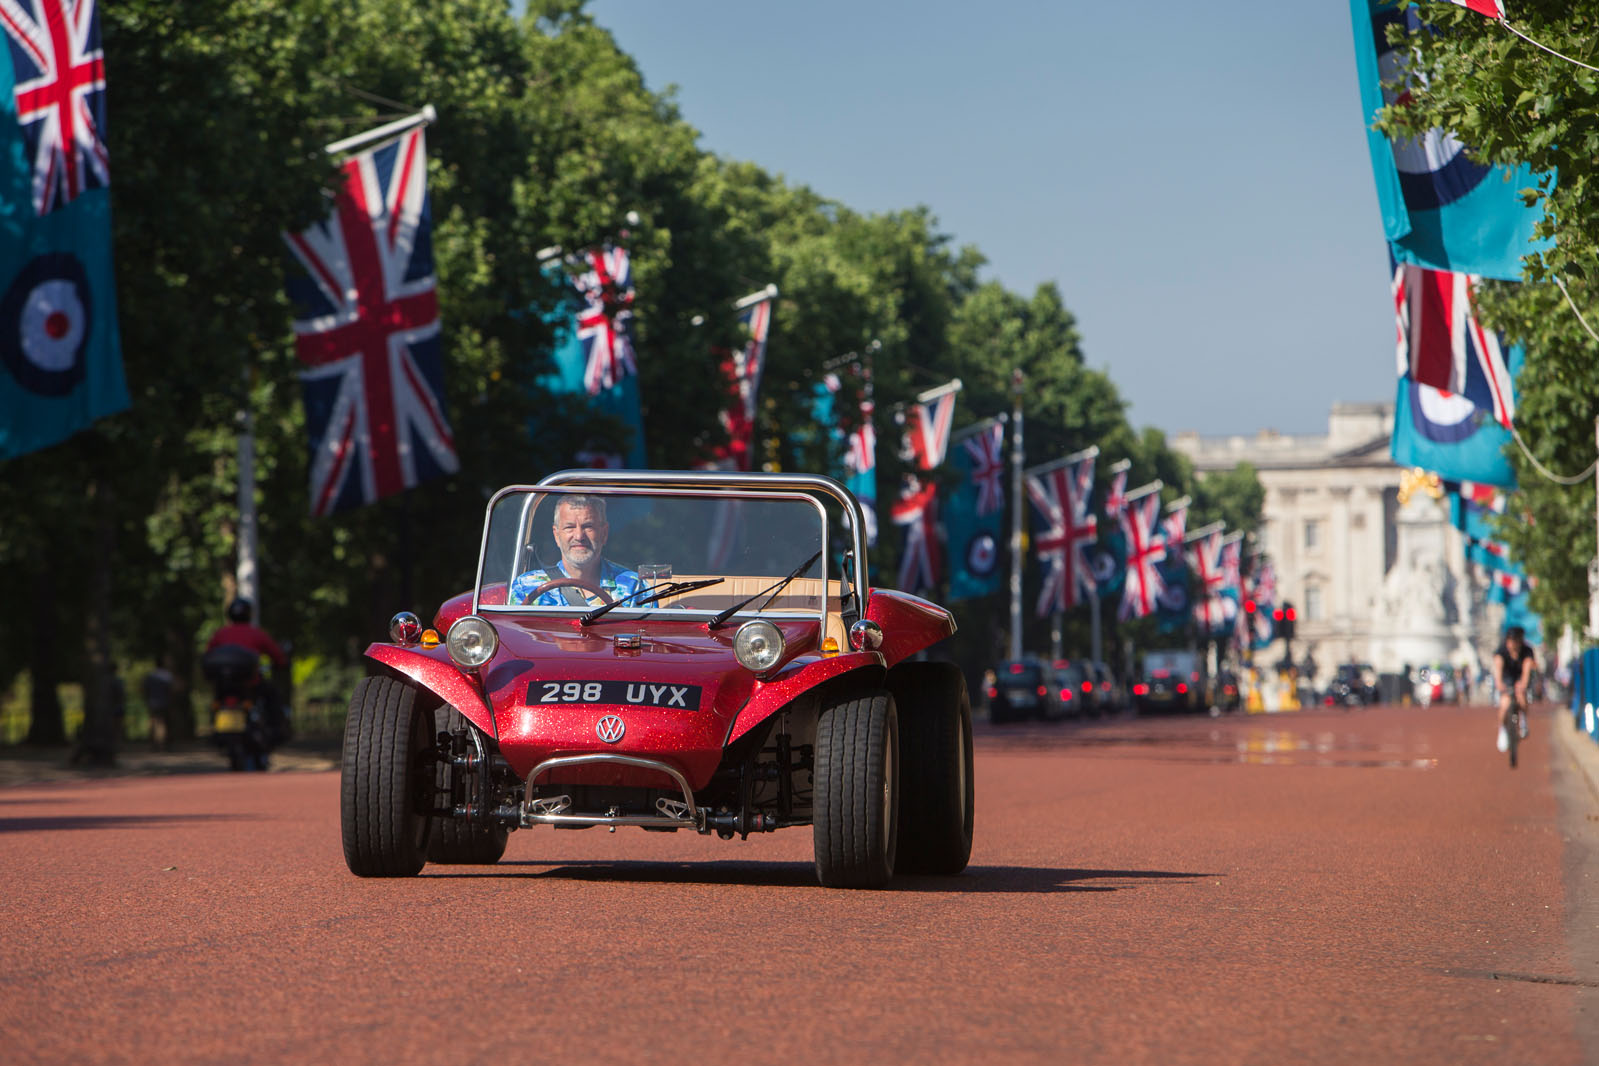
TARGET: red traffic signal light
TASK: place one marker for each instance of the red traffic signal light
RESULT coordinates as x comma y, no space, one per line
1249,606
1290,615
1277,615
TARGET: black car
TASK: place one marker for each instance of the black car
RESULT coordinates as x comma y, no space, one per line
1073,688
1172,681
1022,690
1111,695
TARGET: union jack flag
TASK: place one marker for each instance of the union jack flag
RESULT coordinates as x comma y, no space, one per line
1205,558
927,428
916,512
1116,494
1231,562
1265,584
1442,343
605,325
1174,527
743,368
367,325
60,93
1145,548
1061,496
861,456
986,448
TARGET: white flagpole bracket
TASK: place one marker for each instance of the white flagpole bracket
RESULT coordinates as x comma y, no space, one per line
1075,457
425,117
768,293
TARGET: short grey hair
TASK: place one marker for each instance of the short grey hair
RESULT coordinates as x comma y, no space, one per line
592,503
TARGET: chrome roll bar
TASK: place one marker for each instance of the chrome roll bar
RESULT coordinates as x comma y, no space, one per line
694,816
734,479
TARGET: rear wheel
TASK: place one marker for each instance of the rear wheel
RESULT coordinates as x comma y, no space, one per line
455,841
1514,732
856,797
936,791
386,792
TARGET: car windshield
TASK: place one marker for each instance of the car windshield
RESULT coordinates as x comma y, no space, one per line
572,550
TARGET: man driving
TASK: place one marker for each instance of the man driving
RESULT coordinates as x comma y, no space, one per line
580,532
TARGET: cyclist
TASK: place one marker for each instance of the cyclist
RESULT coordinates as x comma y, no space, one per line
1513,666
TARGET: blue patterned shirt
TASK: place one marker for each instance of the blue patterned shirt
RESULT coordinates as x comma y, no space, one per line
613,579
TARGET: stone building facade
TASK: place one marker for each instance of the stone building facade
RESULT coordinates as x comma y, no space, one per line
1368,577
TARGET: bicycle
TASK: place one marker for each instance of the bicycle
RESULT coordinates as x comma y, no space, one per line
1513,727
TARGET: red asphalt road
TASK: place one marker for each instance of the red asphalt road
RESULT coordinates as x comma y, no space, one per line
1314,887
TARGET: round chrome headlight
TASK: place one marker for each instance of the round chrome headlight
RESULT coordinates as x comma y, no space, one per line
405,628
472,642
758,646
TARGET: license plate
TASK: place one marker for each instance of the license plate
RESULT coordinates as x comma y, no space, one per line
229,721
1022,698
627,693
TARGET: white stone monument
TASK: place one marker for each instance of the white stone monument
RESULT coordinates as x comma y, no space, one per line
1417,618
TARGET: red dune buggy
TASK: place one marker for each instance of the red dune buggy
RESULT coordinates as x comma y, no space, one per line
673,651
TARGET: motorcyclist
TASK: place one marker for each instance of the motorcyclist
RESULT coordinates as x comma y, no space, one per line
241,632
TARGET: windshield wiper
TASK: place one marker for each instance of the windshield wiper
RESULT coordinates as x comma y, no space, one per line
650,595
722,616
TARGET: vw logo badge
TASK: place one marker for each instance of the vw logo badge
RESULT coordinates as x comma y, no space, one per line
610,728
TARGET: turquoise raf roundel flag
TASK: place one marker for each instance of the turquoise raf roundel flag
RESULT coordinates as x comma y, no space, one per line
45,317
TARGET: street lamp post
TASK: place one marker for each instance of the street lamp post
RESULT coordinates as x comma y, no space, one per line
1017,454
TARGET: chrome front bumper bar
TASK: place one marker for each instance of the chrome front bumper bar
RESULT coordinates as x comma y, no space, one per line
674,815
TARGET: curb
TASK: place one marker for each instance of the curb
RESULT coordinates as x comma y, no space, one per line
1581,748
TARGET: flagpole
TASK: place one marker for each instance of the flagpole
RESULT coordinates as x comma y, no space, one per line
246,585
1017,457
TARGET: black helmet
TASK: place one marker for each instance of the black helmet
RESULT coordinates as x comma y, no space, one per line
240,610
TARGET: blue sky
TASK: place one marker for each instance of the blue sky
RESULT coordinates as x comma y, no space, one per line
1194,177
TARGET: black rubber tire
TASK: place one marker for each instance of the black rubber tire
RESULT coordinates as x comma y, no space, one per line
856,791
386,792
454,842
935,777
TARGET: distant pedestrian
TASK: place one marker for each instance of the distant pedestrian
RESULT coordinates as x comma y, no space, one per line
158,684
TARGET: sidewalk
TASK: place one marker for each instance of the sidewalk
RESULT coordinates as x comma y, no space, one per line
26,766
1579,747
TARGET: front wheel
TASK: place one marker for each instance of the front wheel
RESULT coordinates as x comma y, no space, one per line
856,798
386,791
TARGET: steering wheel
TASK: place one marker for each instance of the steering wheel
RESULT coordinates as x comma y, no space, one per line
570,582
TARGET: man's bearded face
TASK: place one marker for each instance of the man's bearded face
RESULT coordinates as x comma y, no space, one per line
579,534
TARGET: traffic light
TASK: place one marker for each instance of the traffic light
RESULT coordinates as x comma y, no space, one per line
1249,606
1285,619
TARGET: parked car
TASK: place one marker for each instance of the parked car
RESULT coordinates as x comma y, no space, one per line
1018,691
1170,681
668,688
1074,687
1112,693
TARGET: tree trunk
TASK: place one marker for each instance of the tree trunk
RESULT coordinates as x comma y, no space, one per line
47,726
101,721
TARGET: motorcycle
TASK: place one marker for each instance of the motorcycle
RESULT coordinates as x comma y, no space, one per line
240,713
